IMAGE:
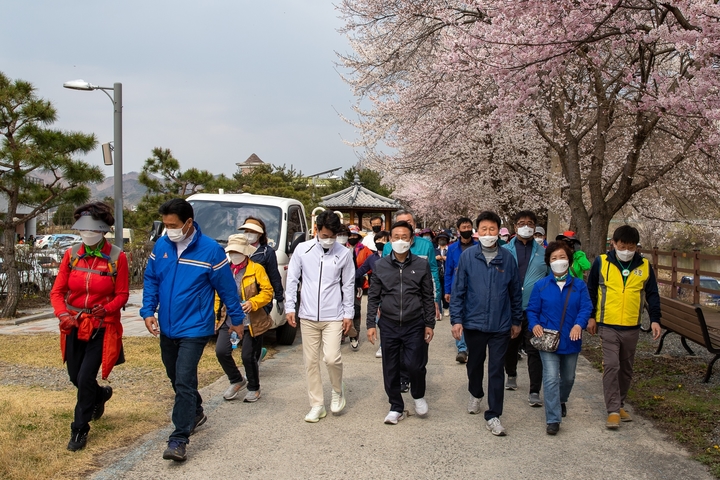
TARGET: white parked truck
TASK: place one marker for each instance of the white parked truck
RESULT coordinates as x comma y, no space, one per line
220,215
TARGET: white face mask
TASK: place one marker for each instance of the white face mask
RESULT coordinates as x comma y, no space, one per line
91,238
236,258
559,266
342,239
400,246
539,240
176,234
488,241
526,232
504,238
326,242
252,237
624,255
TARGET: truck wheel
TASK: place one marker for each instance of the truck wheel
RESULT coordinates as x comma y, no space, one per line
285,334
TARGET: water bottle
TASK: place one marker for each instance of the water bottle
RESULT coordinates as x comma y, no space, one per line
234,340
246,320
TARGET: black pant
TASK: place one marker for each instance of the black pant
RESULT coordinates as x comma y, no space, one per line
181,357
356,316
404,342
535,370
495,346
83,362
251,350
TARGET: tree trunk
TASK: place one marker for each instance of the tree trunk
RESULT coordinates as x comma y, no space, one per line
597,242
11,273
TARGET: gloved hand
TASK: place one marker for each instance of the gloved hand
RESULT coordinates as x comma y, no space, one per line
67,322
98,311
280,307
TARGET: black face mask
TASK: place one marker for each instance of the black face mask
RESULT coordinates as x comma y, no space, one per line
466,234
353,241
442,243
380,246
376,228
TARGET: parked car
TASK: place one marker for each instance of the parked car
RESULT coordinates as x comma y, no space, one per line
49,263
32,280
710,283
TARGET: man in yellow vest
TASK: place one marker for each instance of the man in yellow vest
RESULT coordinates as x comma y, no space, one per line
620,282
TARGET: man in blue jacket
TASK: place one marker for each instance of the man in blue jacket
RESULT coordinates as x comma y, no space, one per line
465,231
184,271
530,259
486,305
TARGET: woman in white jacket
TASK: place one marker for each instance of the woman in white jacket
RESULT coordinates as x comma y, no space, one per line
325,311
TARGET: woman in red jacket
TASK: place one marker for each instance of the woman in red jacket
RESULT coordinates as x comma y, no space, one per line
91,287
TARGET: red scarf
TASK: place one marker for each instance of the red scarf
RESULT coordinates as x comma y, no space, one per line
236,268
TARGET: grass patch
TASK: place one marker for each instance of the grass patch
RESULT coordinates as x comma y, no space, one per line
670,391
37,401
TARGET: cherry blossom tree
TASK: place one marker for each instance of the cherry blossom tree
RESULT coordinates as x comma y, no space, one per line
623,94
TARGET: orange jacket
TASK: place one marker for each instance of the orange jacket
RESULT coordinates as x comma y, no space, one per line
361,253
75,291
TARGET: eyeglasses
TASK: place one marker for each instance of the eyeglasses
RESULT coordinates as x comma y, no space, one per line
525,224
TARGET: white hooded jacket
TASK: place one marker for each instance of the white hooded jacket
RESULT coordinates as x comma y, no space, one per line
328,281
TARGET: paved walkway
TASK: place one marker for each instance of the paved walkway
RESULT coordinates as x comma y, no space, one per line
133,324
269,439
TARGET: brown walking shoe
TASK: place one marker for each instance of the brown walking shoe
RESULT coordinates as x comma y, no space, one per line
613,421
625,416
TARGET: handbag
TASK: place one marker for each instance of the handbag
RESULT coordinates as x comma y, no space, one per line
550,339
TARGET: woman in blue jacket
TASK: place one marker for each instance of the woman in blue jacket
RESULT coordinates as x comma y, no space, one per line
546,310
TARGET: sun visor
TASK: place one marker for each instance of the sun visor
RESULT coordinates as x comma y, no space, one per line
86,222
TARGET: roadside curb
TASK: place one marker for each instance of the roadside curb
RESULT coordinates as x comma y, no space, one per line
28,318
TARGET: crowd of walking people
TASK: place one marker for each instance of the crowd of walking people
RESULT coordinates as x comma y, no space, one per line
507,295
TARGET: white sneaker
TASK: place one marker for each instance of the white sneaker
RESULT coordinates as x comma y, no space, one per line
474,405
393,418
378,354
234,390
421,407
496,427
447,313
315,414
338,400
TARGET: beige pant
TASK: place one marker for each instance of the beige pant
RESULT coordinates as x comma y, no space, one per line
325,337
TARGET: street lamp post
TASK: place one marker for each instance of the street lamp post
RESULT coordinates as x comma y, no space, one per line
315,175
117,148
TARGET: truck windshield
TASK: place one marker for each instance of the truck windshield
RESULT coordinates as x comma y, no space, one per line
219,220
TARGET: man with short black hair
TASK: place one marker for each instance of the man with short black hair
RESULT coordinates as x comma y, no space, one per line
620,282
486,306
402,282
530,257
184,271
376,224
465,230
328,274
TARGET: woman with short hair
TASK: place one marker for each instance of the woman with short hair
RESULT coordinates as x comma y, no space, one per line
559,302
91,288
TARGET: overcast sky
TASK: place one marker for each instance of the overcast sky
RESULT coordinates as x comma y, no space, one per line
213,80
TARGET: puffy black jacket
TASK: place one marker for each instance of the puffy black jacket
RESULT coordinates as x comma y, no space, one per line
406,292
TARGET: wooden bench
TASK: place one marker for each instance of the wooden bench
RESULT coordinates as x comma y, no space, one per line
691,323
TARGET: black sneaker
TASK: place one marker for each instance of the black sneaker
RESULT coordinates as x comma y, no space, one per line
106,394
563,410
404,387
175,451
462,356
78,439
553,428
199,420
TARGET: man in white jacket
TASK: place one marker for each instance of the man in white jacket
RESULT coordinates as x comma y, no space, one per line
325,311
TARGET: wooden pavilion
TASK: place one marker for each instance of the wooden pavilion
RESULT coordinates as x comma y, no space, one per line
358,201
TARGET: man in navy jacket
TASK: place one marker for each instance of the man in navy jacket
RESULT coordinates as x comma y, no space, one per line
183,273
486,305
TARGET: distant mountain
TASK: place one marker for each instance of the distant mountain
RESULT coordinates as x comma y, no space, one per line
132,189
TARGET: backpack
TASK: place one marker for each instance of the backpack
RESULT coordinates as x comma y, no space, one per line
115,252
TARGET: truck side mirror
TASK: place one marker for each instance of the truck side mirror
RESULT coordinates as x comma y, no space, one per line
157,230
297,239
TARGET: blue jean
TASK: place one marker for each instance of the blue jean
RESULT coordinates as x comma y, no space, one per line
558,379
181,357
460,344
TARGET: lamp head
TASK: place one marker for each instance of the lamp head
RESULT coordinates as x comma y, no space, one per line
78,85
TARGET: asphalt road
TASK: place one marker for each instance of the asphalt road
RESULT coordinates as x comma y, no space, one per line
270,440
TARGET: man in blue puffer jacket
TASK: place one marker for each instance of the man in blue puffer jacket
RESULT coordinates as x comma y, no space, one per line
486,305
183,273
